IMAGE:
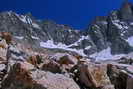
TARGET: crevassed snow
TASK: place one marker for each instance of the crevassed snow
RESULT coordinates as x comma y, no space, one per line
36,25
105,55
50,44
19,37
130,41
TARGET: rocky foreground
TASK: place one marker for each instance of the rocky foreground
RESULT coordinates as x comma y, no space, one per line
22,67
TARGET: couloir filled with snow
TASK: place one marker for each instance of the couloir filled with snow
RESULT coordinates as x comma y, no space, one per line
50,44
106,55
102,55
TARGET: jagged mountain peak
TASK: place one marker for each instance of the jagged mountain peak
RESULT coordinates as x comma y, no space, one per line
106,36
126,11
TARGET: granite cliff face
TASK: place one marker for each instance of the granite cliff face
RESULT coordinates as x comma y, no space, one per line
110,34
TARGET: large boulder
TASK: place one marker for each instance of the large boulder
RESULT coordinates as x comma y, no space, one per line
50,65
25,76
93,76
121,75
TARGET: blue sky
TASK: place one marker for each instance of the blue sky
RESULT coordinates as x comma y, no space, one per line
76,13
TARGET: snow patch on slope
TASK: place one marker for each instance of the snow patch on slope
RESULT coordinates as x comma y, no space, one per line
130,41
19,37
34,37
131,23
36,25
105,55
119,26
50,44
87,48
81,39
25,19
28,20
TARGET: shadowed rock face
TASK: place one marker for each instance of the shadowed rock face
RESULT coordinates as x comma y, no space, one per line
126,11
120,75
